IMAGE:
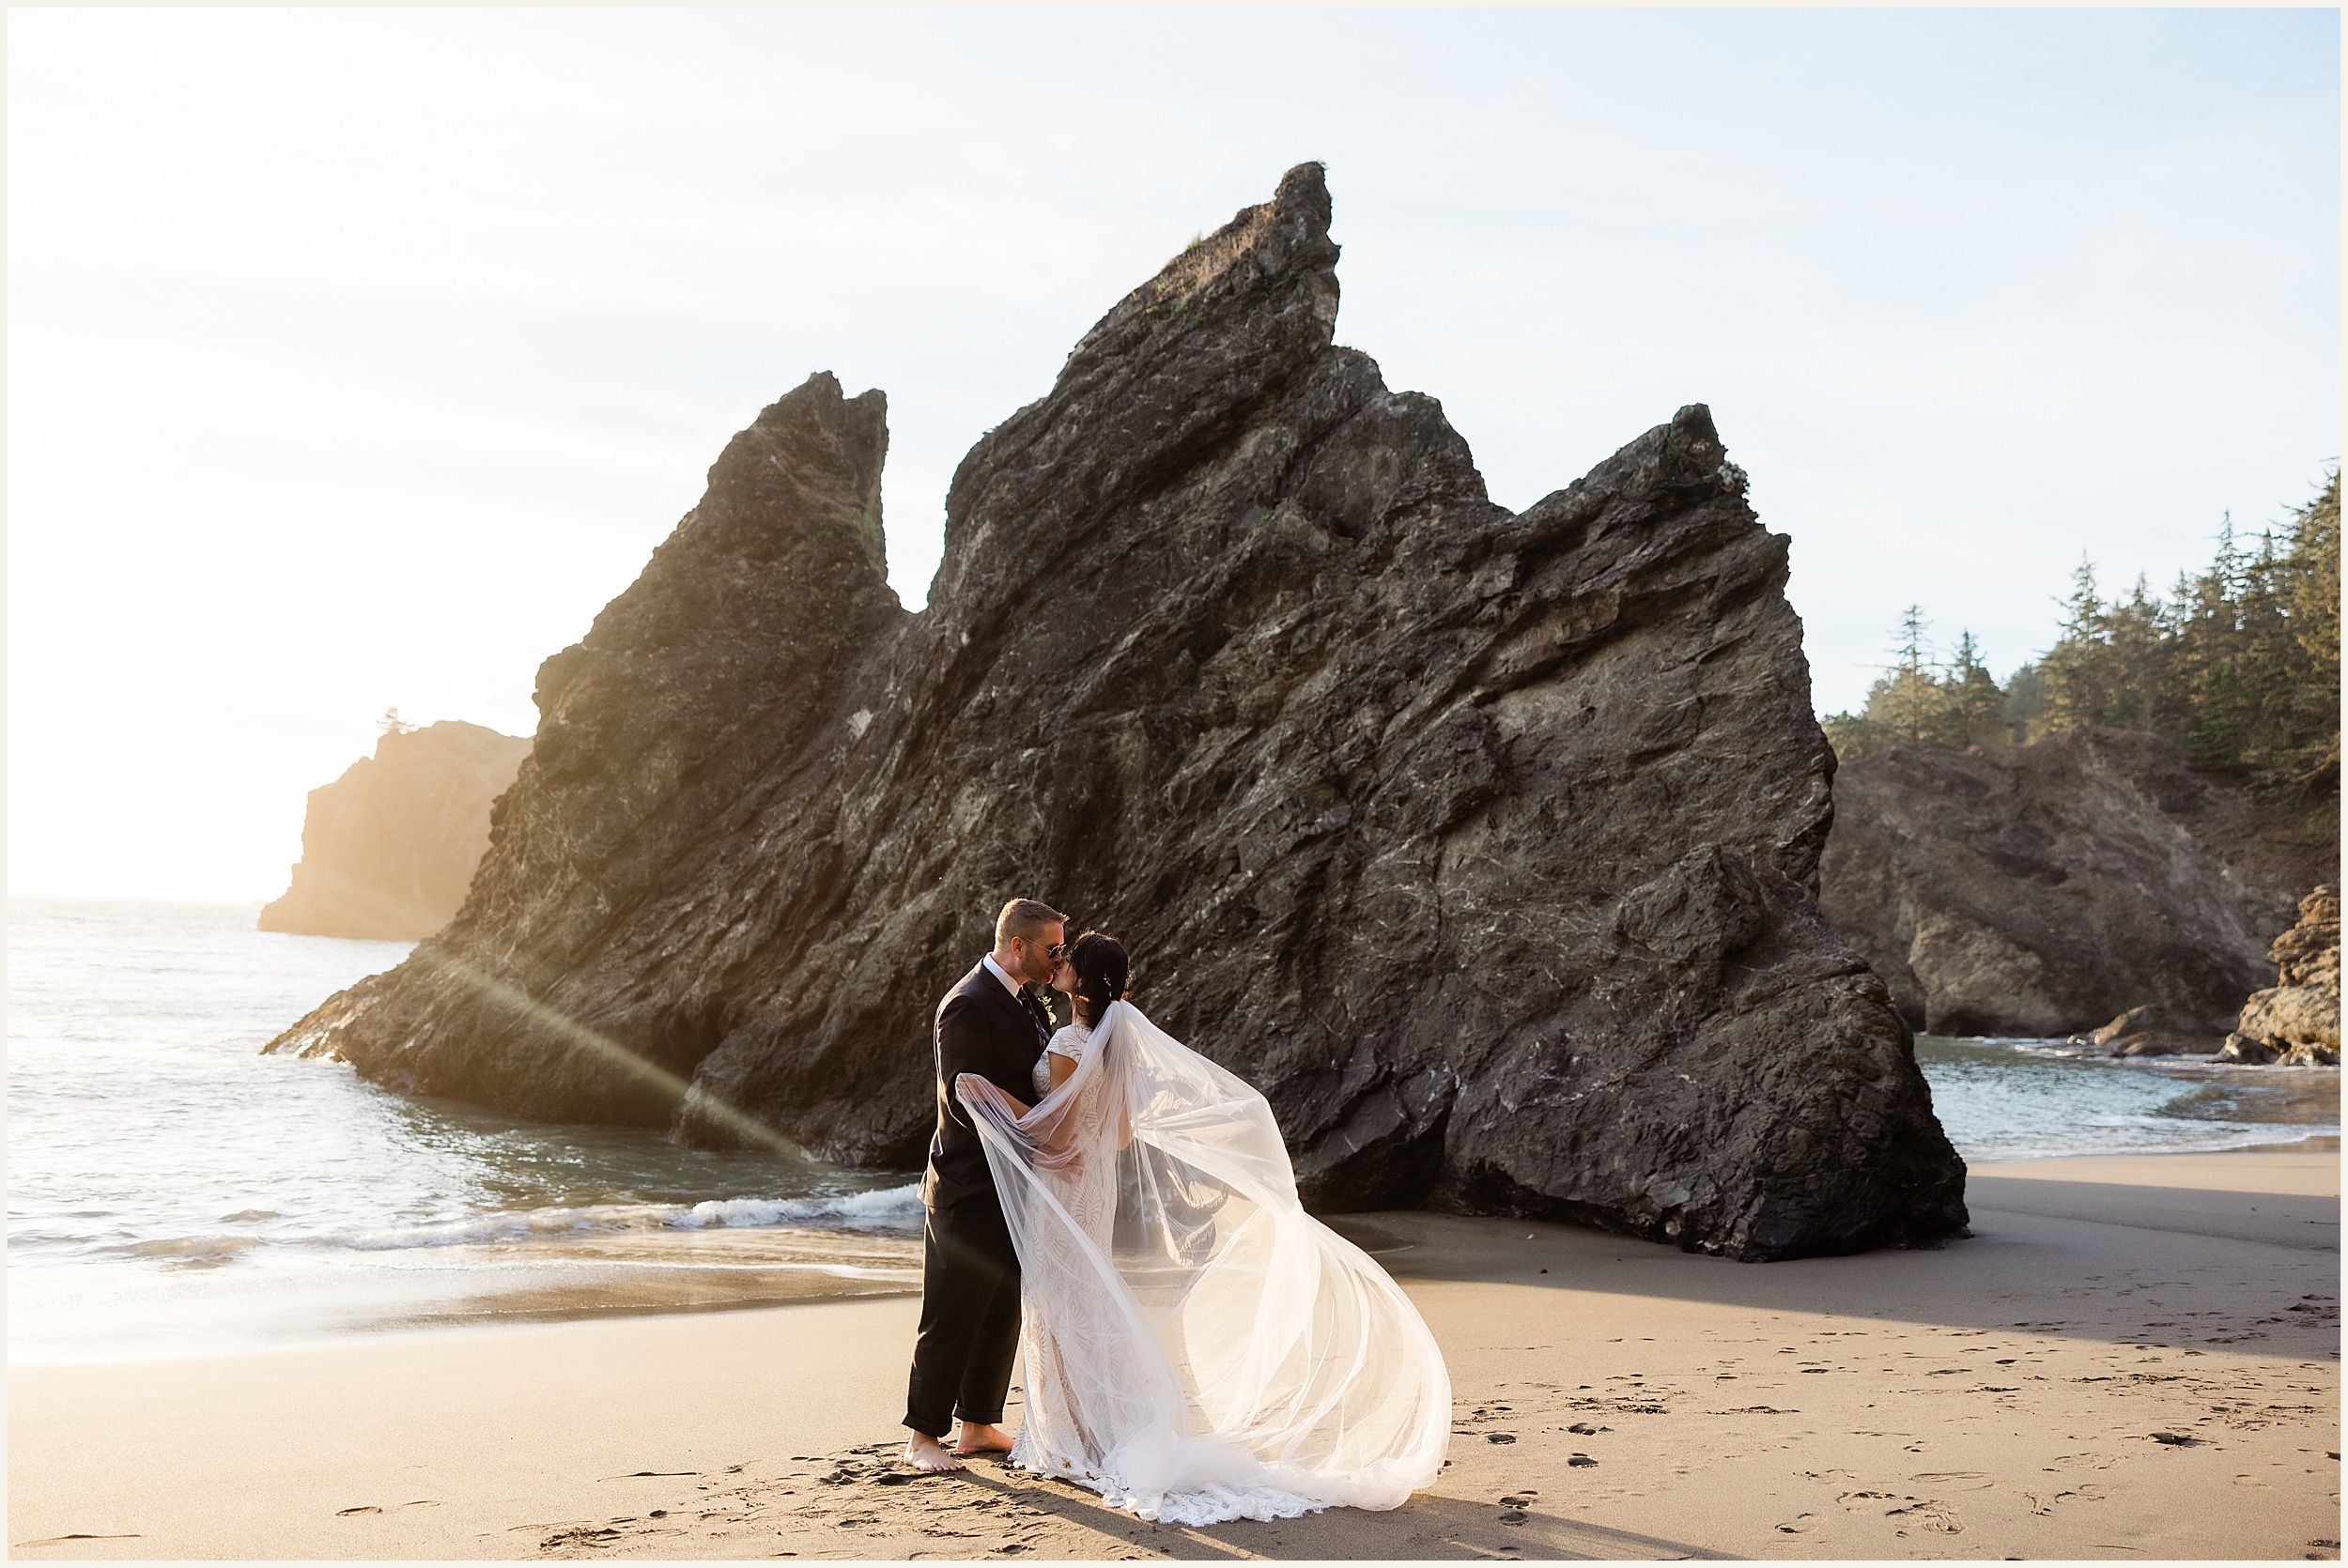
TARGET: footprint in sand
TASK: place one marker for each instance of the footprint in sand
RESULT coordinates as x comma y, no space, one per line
578,1535
1803,1524
1932,1514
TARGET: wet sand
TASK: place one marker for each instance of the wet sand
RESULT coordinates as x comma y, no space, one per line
2133,1358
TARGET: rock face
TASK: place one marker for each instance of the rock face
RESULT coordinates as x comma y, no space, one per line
2297,1021
389,849
2048,889
1486,843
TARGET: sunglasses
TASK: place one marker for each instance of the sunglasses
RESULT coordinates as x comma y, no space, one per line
1054,950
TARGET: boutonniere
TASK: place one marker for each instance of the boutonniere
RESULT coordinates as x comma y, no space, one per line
1043,997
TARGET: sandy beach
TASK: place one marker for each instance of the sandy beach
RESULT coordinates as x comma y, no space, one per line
2132,1358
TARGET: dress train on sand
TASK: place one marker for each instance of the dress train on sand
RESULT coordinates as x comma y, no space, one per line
1197,1347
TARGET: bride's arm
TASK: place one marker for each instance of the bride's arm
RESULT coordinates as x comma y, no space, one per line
1047,1145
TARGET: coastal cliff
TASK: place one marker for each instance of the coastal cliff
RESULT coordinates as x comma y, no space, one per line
2054,887
1485,843
389,849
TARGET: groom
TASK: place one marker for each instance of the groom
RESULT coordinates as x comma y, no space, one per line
962,1354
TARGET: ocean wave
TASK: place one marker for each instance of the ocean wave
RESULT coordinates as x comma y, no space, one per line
194,1250
2239,1136
887,1209
892,1211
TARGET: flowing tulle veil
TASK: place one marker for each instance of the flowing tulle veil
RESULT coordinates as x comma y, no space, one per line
1197,1346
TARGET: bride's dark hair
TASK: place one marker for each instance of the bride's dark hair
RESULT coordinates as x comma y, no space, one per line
1102,970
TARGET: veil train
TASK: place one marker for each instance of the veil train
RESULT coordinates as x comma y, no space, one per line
1197,1347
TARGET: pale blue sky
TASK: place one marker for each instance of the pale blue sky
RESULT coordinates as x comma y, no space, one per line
357,358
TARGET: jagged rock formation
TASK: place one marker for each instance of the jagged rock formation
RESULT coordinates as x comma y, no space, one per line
2049,888
388,850
1485,843
2295,1022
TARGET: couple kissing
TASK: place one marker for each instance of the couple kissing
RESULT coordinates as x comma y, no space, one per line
1118,1214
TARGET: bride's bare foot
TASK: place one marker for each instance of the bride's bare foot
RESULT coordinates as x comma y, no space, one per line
925,1452
983,1440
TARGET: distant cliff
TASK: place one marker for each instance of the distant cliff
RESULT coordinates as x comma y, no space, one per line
2046,888
388,848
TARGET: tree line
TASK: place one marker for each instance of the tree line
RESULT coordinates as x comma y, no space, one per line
2239,664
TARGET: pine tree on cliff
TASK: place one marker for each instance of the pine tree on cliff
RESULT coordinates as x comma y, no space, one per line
1920,701
2240,664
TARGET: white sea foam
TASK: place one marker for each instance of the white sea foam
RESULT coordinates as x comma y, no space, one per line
881,1210
884,1209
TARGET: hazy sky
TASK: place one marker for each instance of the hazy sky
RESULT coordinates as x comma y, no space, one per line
357,358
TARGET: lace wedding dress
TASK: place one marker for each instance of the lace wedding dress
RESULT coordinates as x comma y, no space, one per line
1197,1347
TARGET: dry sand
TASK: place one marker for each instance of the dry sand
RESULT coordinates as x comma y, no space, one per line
2133,1358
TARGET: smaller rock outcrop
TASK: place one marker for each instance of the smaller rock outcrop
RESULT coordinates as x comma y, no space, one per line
389,849
2155,1029
2295,1022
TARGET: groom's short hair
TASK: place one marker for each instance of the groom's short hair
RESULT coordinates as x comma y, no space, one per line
1024,917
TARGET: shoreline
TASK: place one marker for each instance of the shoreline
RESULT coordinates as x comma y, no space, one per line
1996,1396
596,1280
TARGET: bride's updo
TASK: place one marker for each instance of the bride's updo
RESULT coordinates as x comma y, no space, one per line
1102,968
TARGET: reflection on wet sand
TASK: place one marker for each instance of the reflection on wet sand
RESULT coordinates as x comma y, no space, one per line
606,1277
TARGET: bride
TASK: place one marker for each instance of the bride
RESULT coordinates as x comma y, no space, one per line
1197,1347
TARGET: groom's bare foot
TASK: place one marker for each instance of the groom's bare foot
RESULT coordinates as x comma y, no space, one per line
983,1440
925,1452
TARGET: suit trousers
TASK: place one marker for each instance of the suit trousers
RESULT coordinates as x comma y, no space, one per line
969,1332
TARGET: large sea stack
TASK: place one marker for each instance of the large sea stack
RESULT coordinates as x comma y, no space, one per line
388,850
1486,843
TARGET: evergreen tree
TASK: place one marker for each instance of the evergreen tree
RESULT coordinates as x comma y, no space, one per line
1910,704
1970,698
2240,663
1920,701
2078,668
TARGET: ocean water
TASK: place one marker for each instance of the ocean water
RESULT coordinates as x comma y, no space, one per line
171,1190
2036,1099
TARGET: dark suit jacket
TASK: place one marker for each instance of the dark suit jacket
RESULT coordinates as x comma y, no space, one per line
981,1028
